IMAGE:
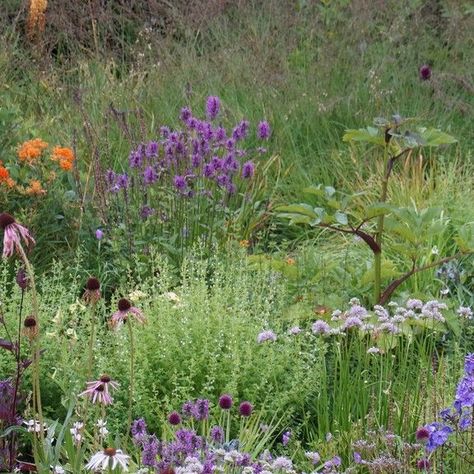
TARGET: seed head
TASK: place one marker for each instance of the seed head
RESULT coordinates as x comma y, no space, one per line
22,279
110,452
422,434
246,408
30,322
124,304
105,378
225,401
174,418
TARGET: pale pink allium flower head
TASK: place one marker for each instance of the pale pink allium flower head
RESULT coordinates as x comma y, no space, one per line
108,458
98,391
13,235
125,309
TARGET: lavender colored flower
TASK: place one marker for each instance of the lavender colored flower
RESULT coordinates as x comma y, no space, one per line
422,434
208,171
135,158
321,327
295,330
245,409
268,335
231,188
313,456
13,235
149,175
196,160
200,409
286,438
179,182
248,169
139,431
213,105
110,177
98,391
151,149
146,212
222,180
241,130
225,401
99,234
425,72
122,181
282,463
263,130
187,409
358,458
373,350
217,434
185,114
465,312
352,322
439,434
220,134
174,418
150,451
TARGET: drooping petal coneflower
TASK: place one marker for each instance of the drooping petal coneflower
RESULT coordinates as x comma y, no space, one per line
125,309
98,391
14,233
109,458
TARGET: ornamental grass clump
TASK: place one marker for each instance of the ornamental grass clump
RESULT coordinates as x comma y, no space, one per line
199,181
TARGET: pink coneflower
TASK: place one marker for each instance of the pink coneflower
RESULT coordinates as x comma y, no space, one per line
98,390
14,233
125,308
108,458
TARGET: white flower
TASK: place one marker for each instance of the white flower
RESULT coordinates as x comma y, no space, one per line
171,296
58,470
435,250
465,312
34,426
109,457
103,431
136,295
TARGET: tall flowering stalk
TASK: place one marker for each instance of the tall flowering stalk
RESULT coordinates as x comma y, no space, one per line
14,236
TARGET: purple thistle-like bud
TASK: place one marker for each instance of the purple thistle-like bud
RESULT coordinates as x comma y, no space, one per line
149,175
122,181
263,130
241,130
425,72
225,401
146,212
248,170
174,418
213,105
220,134
201,409
135,159
187,408
222,180
179,182
245,409
423,464
99,234
185,114
164,131
110,177
231,188
208,171
22,279
230,144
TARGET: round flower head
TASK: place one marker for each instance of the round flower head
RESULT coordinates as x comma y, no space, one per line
425,72
99,234
225,401
423,464
22,279
30,327
125,309
422,434
174,418
92,292
245,409
13,234
98,391
109,458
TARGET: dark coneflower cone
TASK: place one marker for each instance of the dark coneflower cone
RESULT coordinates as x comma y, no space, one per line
124,304
110,452
105,378
30,322
6,220
93,284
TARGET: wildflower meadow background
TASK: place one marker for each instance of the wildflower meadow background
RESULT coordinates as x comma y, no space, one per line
237,236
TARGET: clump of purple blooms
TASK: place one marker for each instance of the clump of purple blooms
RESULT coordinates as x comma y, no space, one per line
201,166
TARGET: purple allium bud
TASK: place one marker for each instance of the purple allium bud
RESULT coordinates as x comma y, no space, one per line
174,418
245,409
185,114
149,175
22,279
99,234
225,401
213,105
217,434
423,464
425,72
179,182
263,130
286,438
321,327
248,170
422,434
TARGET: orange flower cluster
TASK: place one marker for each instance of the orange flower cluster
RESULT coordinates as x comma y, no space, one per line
64,156
36,17
5,177
31,150
35,188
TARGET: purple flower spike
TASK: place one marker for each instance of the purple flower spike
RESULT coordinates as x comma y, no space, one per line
248,170
263,130
286,438
149,175
185,114
213,105
179,182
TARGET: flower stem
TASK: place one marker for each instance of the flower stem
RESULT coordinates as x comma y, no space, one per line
132,373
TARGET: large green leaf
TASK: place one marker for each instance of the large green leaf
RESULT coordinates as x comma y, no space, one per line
304,209
435,137
367,135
